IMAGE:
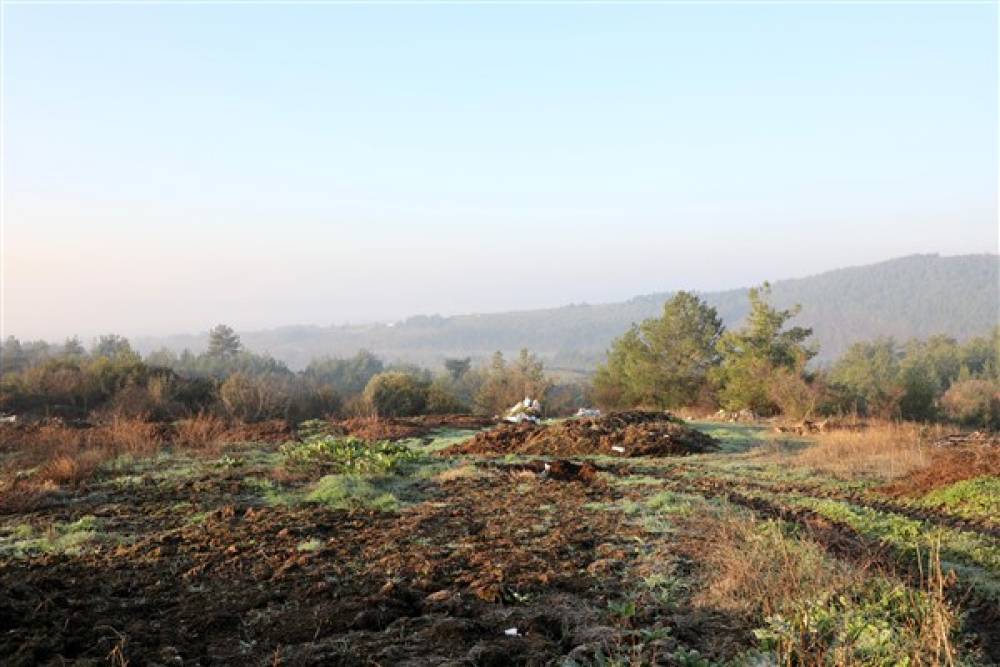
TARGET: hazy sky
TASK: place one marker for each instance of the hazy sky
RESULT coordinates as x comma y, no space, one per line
170,167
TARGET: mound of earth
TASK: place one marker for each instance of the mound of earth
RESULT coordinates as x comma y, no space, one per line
634,433
398,428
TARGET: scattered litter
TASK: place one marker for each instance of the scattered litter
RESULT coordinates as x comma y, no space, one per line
588,412
619,449
511,632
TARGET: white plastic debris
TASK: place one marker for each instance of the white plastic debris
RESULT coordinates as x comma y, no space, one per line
527,410
511,632
618,448
588,412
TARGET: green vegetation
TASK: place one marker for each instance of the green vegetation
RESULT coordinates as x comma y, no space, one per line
665,361
922,380
876,622
346,455
761,357
910,536
352,492
58,537
977,498
397,394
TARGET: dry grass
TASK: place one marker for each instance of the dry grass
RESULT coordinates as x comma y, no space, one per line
755,570
885,450
203,432
66,456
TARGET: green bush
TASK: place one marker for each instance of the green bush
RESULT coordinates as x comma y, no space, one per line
396,394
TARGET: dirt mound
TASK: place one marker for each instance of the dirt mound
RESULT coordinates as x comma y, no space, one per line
617,434
395,428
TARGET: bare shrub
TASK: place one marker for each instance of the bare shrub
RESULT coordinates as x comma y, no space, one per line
254,398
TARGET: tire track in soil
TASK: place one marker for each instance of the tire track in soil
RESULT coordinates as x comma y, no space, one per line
846,543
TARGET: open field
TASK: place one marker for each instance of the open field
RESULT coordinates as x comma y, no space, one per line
764,551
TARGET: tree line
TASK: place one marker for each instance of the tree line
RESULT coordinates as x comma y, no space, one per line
111,378
686,357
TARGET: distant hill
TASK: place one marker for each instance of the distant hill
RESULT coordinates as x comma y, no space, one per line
914,296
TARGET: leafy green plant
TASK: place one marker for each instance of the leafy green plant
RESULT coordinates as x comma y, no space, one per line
345,455
975,498
879,623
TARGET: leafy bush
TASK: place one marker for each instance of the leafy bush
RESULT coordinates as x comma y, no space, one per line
442,397
345,455
396,394
973,402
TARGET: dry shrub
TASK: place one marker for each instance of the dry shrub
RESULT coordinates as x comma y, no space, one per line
885,450
69,456
21,495
129,436
65,470
203,432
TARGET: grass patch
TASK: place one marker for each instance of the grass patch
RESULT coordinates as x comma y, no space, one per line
309,545
67,538
352,492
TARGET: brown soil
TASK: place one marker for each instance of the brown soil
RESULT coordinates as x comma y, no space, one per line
634,433
274,431
434,583
948,465
393,428
559,470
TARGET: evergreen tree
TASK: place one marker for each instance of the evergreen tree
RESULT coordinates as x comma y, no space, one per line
751,354
223,342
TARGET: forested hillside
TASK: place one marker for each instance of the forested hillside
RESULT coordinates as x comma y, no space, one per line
914,296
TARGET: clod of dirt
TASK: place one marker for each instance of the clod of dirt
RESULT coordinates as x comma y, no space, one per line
634,433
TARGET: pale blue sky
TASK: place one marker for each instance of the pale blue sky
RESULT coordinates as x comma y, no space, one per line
170,167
